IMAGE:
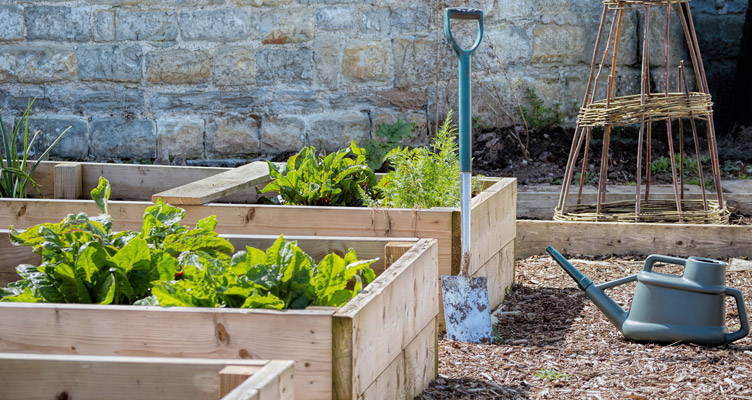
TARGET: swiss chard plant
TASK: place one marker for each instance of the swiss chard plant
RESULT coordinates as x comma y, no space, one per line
169,264
388,137
342,178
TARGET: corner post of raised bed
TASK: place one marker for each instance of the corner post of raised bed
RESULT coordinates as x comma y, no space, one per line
273,381
68,179
394,250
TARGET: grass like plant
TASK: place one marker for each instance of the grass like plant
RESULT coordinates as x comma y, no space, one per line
16,166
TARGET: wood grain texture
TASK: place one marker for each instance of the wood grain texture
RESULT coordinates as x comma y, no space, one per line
411,371
44,377
275,381
302,335
231,376
67,181
492,223
217,186
499,271
383,304
603,238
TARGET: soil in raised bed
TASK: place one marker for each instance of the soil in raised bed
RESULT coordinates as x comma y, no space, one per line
553,343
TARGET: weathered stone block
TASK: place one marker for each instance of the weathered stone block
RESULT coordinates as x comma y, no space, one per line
234,66
558,44
410,19
245,99
104,26
510,44
335,130
262,3
296,101
719,36
118,62
677,47
376,21
146,25
37,64
74,143
180,137
414,61
327,60
177,66
58,23
18,98
11,23
284,66
215,25
367,62
280,134
283,26
389,116
335,18
192,100
234,135
115,99
123,138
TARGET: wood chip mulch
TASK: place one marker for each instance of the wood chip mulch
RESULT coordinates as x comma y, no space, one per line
553,343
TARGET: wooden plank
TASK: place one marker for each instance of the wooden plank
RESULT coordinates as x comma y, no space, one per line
394,250
217,186
492,223
177,332
231,376
499,271
379,323
44,377
411,372
603,238
273,382
67,178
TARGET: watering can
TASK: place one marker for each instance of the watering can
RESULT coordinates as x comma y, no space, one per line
666,308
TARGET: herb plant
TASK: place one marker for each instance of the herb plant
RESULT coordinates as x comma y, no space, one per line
388,137
424,177
341,178
16,168
169,264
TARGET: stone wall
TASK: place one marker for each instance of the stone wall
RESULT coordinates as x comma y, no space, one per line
196,79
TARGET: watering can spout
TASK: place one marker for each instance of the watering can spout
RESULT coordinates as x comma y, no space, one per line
613,311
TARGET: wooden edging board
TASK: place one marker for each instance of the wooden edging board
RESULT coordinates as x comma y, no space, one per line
614,238
378,345
50,376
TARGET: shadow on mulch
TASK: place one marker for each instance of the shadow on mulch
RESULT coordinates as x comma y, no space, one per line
538,316
467,389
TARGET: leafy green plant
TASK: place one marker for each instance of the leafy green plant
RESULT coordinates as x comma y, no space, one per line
16,167
388,137
537,115
169,264
341,178
282,277
424,177
552,375
662,165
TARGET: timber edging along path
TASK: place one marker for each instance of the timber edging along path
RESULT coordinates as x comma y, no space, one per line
614,238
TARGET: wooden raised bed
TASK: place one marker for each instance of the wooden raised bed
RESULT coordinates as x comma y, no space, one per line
44,377
382,344
493,211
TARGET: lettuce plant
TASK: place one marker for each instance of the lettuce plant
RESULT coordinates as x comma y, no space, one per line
169,264
342,178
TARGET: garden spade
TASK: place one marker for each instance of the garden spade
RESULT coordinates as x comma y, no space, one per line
466,309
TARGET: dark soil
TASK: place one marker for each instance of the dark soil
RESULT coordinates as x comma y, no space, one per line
553,343
540,155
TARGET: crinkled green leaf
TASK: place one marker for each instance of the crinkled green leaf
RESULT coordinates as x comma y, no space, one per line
268,301
134,255
101,194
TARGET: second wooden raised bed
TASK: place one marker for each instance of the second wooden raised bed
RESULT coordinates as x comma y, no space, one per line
382,344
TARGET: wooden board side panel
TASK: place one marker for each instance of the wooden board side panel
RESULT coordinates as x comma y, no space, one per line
492,222
391,313
275,381
499,271
411,372
43,378
602,238
217,186
305,336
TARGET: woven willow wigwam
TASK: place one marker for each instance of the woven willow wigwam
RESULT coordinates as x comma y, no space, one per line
675,107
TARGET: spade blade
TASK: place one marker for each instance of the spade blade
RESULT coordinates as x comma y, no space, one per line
466,310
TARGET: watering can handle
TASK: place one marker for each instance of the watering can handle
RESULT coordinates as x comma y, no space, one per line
462,13
744,329
653,258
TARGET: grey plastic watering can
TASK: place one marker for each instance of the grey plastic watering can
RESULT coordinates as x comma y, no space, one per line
666,308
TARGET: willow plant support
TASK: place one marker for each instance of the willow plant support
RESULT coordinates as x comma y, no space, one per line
645,110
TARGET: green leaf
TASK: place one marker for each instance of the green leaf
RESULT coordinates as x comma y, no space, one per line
329,277
26,296
134,255
207,224
101,194
268,301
